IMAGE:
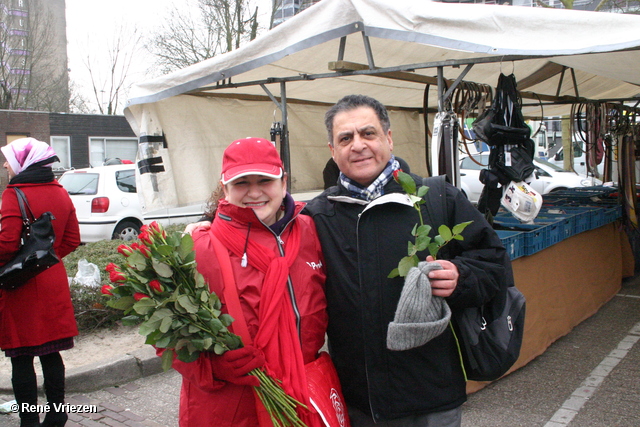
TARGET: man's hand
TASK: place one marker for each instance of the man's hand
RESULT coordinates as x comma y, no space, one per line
443,282
190,228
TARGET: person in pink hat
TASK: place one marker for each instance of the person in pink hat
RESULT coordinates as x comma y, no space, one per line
37,319
279,275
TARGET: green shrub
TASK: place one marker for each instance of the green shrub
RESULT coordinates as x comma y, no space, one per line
88,302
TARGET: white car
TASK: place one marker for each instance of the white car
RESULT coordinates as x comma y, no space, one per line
107,205
548,177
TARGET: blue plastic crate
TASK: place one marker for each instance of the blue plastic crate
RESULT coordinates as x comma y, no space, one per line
513,242
597,217
536,239
612,213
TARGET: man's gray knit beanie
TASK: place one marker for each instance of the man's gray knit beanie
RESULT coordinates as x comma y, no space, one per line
420,316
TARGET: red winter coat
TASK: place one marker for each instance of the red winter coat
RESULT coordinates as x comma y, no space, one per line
41,310
205,402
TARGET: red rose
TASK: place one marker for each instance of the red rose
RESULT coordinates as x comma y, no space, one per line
145,251
155,229
156,286
395,174
139,295
111,267
145,238
116,276
125,250
106,289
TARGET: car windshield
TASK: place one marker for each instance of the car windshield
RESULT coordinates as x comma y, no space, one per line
550,165
80,183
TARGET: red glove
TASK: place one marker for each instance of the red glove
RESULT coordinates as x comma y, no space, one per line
234,365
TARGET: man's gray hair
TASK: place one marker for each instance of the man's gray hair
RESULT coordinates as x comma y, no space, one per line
351,102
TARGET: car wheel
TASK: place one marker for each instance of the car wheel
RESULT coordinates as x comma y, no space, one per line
126,230
557,189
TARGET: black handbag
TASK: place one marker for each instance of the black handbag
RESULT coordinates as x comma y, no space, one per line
36,252
490,337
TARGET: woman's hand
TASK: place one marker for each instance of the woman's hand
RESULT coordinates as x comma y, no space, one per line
190,228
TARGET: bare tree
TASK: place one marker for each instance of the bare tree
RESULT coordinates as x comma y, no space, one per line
109,74
32,75
620,6
217,27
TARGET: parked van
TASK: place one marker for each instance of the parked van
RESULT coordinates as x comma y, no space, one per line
579,160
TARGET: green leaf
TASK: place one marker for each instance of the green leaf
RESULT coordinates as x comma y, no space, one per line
198,343
422,241
199,280
406,264
204,296
394,273
185,355
185,302
215,325
422,191
415,200
411,249
148,327
163,270
164,250
407,183
165,324
144,306
438,240
208,343
204,315
218,349
433,249
167,359
186,246
130,320
123,303
226,319
164,341
458,237
137,261
445,232
423,229
459,228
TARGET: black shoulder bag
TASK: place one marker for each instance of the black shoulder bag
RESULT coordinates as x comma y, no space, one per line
36,252
489,337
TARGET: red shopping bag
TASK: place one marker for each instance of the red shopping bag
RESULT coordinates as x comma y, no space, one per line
325,392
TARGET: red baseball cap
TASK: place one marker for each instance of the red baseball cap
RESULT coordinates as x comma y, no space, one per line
250,156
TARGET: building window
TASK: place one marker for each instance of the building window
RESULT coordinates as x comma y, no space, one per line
62,146
102,149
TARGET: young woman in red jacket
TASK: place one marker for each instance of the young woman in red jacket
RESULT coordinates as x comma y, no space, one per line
37,319
279,274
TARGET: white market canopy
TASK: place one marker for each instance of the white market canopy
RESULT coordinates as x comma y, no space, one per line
392,50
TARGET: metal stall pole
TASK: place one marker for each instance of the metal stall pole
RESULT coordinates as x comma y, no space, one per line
280,130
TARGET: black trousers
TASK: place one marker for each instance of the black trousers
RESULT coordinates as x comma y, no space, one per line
25,388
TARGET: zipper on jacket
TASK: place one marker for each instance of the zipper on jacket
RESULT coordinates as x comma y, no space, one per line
366,367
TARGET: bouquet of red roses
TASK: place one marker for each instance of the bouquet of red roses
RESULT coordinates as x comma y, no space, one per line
158,286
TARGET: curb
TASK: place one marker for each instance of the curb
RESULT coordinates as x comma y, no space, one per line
107,373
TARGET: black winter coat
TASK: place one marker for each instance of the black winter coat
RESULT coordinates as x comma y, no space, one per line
362,242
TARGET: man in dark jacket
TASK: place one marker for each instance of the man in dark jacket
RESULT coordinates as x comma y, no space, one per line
364,232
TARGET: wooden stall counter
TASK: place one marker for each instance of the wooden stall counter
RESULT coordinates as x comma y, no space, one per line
567,283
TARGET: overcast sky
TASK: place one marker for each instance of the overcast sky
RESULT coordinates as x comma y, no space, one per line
91,26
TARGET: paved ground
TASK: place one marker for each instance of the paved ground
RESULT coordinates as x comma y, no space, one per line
589,378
